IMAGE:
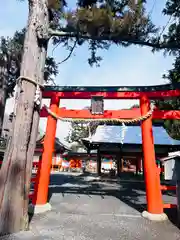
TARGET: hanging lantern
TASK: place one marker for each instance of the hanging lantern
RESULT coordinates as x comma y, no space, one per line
97,105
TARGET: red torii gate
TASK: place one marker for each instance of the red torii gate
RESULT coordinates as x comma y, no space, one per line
144,94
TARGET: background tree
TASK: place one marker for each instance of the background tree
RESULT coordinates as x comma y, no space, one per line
81,130
173,76
172,9
11,50
77,132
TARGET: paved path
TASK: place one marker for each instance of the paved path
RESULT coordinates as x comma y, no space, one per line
89,209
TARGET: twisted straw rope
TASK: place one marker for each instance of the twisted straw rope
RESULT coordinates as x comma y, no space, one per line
28,79
102,120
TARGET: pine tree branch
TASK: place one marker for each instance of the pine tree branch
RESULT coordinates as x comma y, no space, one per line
115,39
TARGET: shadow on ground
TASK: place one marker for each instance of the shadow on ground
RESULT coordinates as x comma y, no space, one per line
131,192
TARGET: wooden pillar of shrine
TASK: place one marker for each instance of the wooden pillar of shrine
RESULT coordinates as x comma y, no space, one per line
138,165
119,164
152,178
41,186
99,162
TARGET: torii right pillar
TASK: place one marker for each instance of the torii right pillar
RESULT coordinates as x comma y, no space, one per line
152,179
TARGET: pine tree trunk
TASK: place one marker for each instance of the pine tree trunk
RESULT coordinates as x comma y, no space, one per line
3,88
17,165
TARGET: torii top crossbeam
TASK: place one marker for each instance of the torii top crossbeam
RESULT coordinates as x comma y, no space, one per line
115,92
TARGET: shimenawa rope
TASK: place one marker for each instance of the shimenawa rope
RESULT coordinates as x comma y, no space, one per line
102,120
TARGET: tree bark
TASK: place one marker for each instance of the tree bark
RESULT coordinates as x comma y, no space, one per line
3,89
17,165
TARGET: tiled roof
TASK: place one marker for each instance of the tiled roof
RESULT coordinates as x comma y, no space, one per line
132,135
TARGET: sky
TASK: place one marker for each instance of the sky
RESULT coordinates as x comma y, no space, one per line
120,66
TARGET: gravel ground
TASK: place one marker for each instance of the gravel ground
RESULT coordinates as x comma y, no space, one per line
86,208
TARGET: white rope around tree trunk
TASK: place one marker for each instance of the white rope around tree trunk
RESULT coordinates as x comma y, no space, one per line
39,86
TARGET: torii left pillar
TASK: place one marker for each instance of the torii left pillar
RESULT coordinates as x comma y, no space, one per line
40,200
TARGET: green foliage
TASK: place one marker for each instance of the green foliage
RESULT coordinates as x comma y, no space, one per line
172,9
172,37
172,126
12,49
80,131
125,19
120,21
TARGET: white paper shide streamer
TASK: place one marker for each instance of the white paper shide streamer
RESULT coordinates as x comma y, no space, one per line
123,131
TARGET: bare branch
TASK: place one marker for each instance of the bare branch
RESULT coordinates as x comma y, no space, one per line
164,28
70,53
115,39
55,48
